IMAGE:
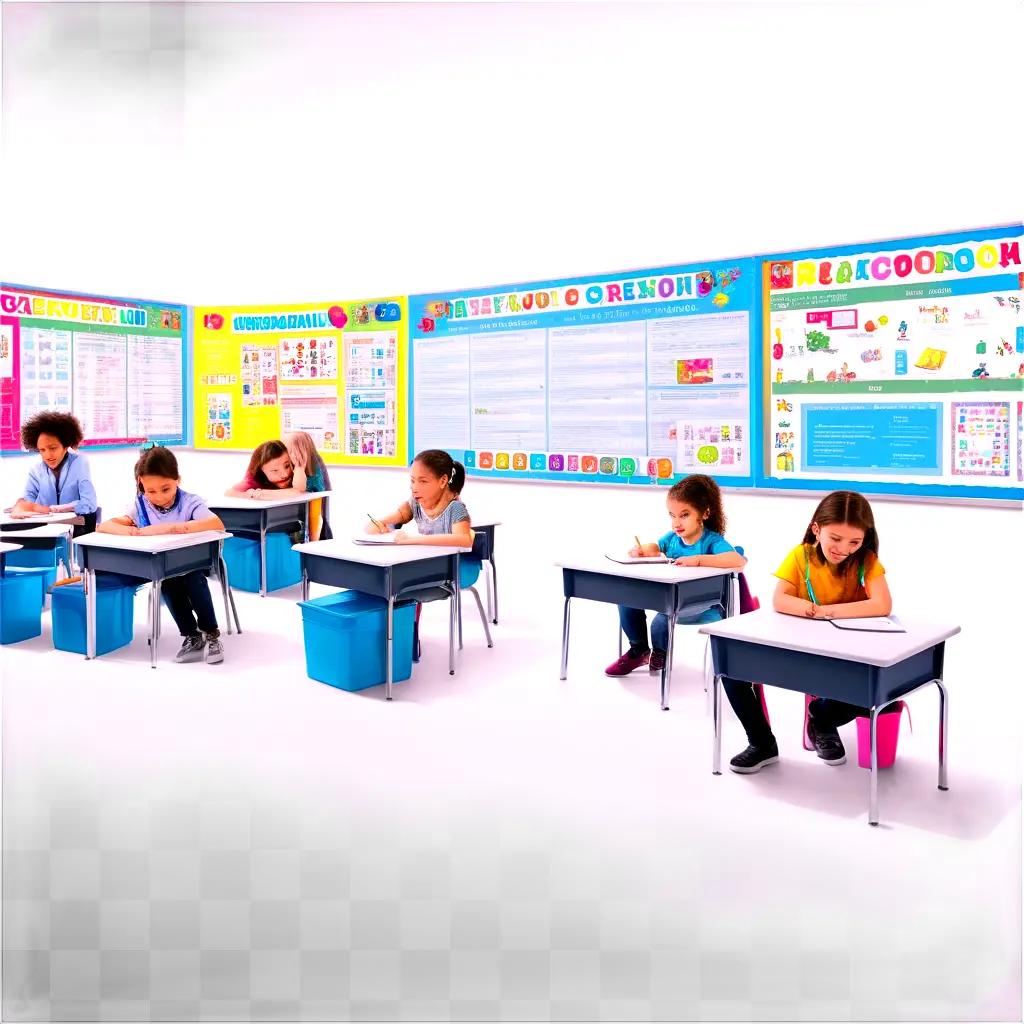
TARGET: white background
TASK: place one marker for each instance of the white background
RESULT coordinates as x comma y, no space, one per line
283,153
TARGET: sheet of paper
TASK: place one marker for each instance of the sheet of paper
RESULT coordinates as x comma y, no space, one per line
879,624
643,560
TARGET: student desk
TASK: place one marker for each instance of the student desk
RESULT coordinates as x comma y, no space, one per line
656,587
5,547
484,530
28,520
390,571
253,515
871,670
40,538
154,558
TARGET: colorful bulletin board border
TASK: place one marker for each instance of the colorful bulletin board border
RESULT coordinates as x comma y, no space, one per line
597,301
25,309
336,369
930,269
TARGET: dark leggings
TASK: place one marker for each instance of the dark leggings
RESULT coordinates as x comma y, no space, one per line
827,714
188,598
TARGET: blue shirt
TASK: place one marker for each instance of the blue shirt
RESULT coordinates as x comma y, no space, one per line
708,543
72,479
184,508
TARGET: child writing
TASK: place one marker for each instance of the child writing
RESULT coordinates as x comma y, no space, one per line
833,574
270,475
435,481
309,475
60,481
698,522
162,507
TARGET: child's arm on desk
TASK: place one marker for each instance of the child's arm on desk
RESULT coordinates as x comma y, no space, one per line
120,525
879,602
460,537
401,516
725,560
645,550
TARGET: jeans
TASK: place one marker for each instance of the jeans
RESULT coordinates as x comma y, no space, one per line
634,624
188,597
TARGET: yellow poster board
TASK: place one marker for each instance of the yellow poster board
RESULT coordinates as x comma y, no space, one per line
337,370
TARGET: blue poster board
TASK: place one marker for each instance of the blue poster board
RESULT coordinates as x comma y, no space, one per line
896,367
637,378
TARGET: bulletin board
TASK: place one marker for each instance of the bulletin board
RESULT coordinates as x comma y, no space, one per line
897,366
336,370
635,378
119,365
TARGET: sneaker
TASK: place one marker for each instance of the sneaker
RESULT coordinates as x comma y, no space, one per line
657,662
753,759
628,662
827,744
191,649
214,649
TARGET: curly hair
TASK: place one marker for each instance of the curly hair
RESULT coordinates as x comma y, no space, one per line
703,494
61,425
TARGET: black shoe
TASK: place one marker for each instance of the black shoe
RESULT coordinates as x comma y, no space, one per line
827,744
191,649
753,759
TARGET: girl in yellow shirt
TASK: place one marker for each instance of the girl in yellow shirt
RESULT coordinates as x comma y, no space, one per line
833,574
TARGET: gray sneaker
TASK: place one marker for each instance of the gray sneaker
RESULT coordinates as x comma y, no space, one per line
214,649
191,649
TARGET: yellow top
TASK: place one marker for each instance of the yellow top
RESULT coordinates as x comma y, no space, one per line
829,586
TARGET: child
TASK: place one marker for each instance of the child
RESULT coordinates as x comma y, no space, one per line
60,481
160,507
436,480
270,475
698,522
834,574
309,474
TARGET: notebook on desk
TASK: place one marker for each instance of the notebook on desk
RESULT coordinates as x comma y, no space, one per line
639,560
877,624
375,538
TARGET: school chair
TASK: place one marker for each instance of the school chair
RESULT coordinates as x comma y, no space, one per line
470,566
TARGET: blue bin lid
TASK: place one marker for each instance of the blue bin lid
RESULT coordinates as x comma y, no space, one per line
346,603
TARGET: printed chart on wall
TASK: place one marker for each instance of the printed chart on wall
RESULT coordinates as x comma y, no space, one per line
898,366
335,370
118,364
637,378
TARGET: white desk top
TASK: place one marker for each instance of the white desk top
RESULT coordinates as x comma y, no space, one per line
50,530
258,503
482,521
819,636
6,519
376,554
5,547
150,544
657,572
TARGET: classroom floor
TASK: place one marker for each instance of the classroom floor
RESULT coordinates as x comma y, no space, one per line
240,842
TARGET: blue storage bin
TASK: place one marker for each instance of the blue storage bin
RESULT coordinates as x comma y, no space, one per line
20,611
345,636
242,556
115,615
35,556
42,576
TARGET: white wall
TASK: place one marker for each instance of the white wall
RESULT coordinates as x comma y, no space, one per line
289,152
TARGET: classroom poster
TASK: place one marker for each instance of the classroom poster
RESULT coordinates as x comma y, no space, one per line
635,378
119,365
894,366
335,370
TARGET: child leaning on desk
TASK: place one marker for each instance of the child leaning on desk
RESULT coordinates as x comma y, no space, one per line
833,574
698,522
309,474
162,507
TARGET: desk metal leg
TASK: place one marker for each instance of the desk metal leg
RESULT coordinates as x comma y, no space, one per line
488,585
565,640
305,584
458,599
453,611
494,578
666,670
229,597
943,732
90,613
873,771
263,558
154,633
716,699
391,646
